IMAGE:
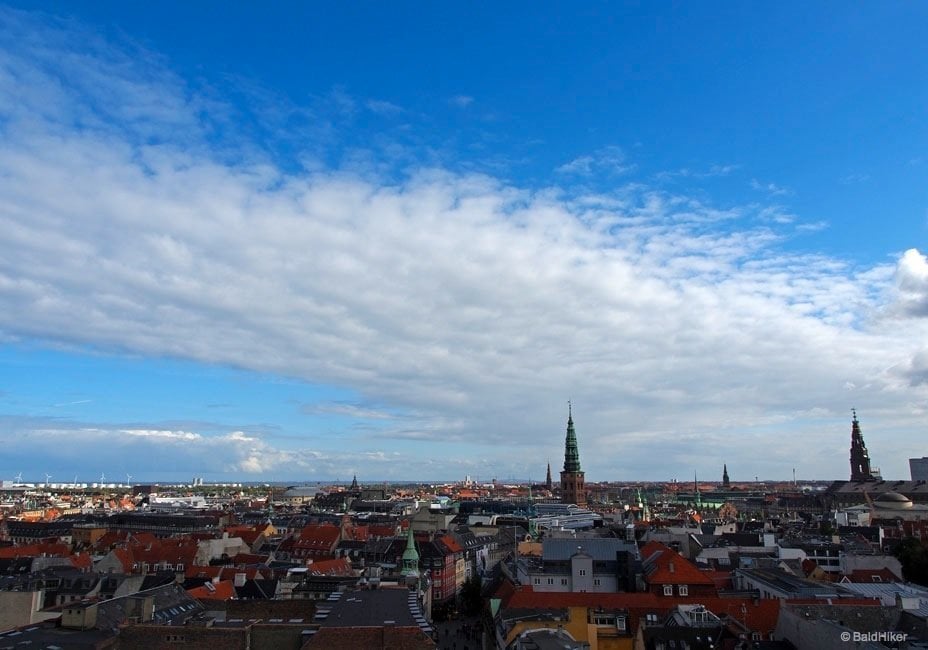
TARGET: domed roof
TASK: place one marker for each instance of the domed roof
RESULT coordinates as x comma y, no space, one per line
893,500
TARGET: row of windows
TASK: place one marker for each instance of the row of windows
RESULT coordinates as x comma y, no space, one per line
682,590
596,581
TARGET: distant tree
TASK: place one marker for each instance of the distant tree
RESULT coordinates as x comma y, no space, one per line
826,528
914,559
728,512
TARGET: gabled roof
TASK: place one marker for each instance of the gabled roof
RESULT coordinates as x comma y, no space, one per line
663,566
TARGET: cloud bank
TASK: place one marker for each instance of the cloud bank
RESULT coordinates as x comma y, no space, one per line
133,221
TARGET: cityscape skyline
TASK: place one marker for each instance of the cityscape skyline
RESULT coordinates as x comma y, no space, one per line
394,242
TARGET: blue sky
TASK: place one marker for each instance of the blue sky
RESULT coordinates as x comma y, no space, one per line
300,242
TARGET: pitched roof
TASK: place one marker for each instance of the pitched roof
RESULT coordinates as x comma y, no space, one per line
49,549
222,590
663,565
873,575
338,567
320,535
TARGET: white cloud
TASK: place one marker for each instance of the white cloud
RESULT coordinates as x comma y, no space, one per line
852,179
912,284
461,101
770,188
609,160
384,107
473,304
181,436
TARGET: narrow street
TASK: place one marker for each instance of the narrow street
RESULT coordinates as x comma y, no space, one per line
459,635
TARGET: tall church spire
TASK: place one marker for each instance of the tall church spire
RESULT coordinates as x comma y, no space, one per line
860,458
726,482
548,482
571,450
572,490
410,555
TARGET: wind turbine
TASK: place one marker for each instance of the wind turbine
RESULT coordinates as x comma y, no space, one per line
18,478
47,476
102,478
128,479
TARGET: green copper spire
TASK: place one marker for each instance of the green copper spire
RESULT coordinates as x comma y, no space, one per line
410,555
571,452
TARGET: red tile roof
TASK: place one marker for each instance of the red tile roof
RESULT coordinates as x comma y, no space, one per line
324,535
450,542
222,590
339,567
49,549
873,576
664,566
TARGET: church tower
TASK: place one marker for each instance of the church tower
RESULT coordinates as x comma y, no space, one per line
860,459
410,556
572,490
726,482
549,484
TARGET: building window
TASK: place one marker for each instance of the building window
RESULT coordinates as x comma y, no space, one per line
537,581
550,581
683,590
583,572
668,590
620,623
596,582
563,581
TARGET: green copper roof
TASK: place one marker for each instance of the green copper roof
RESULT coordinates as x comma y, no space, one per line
571,451
410,555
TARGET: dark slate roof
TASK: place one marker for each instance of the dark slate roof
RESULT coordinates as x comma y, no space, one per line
373,608
50,636
601,549
172,606
257,589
